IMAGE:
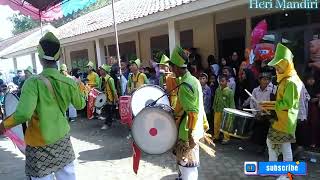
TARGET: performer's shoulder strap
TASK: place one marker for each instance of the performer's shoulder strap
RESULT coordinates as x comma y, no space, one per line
187,85
50,88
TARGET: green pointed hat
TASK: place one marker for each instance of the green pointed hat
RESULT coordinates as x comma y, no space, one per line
90,64
49,47
178,57
137,62
63,67
282,53
164,60
30,69
106,68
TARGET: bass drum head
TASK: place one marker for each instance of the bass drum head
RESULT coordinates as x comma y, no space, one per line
146,95
101,100
10,105
154,130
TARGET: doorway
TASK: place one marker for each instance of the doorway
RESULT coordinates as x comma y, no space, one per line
231,38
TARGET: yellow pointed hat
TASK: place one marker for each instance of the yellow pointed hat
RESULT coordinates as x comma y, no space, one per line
106,68
179,58
137,62
164,60
282,53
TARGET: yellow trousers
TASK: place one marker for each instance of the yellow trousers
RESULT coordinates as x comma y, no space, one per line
217,126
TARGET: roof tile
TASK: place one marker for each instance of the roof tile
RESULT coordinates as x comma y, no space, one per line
126,10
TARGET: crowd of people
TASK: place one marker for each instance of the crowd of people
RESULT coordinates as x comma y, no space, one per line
285,109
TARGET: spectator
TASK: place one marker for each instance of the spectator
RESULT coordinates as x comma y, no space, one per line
314,112
17,78
235,62
226,71
213,65
125,69
206,94
224,98
261,127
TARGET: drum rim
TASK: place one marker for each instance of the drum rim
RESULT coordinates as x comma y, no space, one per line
146,85
4,104
249,115
133,122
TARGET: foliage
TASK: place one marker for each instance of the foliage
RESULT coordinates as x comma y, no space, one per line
80,63
22,23
156,54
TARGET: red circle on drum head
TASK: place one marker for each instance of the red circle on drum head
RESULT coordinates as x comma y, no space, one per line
153,131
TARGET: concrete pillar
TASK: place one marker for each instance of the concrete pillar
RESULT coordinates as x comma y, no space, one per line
174,35
15,64
34,61
137,41
100,54
248,31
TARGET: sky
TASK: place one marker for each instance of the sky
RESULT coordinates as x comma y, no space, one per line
6,25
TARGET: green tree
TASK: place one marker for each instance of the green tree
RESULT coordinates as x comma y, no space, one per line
22,23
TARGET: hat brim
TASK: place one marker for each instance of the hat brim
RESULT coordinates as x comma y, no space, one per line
274,62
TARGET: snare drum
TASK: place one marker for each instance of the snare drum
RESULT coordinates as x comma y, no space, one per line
154,129
237,123
96,99
145,95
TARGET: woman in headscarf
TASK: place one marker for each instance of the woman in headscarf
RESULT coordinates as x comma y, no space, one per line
282,131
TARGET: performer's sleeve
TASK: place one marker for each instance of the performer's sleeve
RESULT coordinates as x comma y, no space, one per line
98,81
113,88
231,100
143,79
186,97
77,98
26,106
215,98
290,97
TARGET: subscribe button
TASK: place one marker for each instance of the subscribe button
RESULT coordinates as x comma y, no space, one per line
275,168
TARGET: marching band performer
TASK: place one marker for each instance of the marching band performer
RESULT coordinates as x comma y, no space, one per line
191,120
167,80
108,87
136,78
72,112
282,131
43,103
93,77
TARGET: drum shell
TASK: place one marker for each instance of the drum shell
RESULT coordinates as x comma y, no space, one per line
237,125
166,128
125,110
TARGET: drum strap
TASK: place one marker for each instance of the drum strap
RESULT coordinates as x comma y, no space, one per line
50,88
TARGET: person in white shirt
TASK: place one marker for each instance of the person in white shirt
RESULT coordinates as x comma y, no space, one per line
263,92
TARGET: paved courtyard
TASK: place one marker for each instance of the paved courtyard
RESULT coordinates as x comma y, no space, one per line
107,154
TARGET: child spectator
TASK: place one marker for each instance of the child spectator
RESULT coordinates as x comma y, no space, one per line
261,127
224,98
227,71
206,93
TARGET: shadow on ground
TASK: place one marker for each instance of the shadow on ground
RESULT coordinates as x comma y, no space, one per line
11,165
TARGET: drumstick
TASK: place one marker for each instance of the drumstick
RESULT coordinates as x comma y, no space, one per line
252,110
255,100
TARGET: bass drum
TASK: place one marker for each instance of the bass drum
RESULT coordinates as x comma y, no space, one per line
145,95
154,129
10,105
